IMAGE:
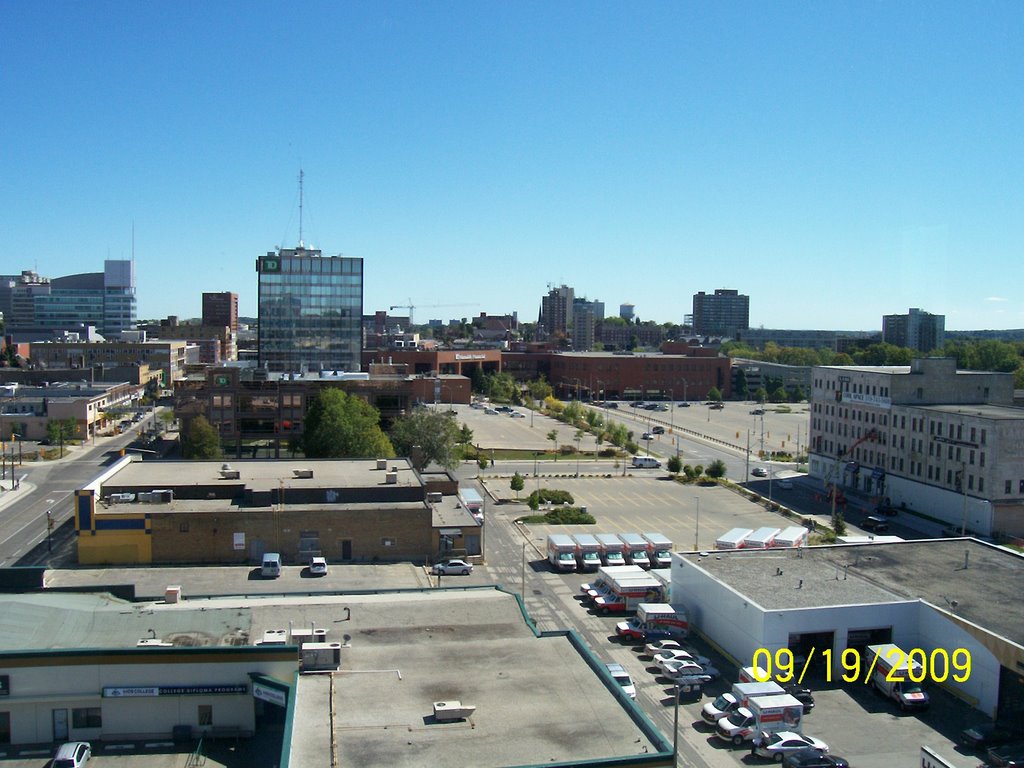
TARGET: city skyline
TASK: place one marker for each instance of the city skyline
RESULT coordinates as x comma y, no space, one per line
836,164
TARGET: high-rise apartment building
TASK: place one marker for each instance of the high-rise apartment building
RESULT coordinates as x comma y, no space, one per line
626,312
40,305
310,311
585,317
556,310
724,313
919,330
221,309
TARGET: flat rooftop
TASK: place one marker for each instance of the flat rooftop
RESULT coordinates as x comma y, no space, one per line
537,699
982,578
263,475
997,412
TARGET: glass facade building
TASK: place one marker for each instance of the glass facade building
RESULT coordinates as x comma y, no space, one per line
310,311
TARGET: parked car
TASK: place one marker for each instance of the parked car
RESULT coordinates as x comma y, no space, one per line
318,566
1007,755
875,523
674,666
683,404
989,735
687,672
621,676
491,411
657,646
757,412
759,472
503,409
663,657
73,754
453,568
801,694
517,415
812,758
775,746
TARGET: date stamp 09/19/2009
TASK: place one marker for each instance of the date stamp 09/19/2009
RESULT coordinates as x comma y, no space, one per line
916,665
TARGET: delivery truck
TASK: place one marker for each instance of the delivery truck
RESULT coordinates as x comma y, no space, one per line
763,714
626,594
473,503
612,549
655,621
635,549
588,552
738,697
659,549
894,674
600,583
562,553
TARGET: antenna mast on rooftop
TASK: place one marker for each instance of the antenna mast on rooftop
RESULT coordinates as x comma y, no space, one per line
301,175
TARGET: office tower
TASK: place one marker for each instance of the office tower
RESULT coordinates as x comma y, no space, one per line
220,309
310,309
556,310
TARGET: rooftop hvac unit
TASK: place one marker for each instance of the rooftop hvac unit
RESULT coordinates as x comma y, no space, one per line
391,478
434,497
320,657
303,473
121,498
452,710
382,463
230,474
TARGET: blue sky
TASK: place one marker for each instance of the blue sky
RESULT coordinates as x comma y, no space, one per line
834,161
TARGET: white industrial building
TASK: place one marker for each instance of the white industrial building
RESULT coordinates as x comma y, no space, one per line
943,443
937,594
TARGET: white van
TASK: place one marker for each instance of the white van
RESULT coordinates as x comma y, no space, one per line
271,567
646,462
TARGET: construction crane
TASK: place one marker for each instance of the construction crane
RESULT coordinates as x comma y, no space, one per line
410,306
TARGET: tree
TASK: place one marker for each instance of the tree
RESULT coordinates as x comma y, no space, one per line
675,465
553,437
517,483
539,389
760,394
202,440
339,425
740,388
797,396
60,430
716,469
427,435
715,394
466,435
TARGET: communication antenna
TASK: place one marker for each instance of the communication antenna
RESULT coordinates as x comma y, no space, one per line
301,176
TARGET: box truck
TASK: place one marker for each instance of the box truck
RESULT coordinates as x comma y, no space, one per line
739,696
659,549
588,552
894,674
562,553
472,502
763,714
733,539
635,549
599,585
655,621
612,549
626,594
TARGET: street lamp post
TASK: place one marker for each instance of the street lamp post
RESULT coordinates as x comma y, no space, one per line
49,530
696,530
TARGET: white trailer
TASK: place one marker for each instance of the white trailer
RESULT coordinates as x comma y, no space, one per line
793,536
762,538
733,539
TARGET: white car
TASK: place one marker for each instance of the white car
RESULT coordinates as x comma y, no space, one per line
664,645
672,654
73,754
491,411
622,677
776,746
453,568
318,566
671,667
517,415
687,671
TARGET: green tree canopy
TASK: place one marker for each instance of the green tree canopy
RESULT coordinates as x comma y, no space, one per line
715,394
339,425
740,389
716,469
202,440
435,433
